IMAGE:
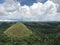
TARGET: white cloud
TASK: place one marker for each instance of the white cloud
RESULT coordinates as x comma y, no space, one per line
11,10
58,2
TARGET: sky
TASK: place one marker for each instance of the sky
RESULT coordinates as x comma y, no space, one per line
29,10
1,1
58,2
26,2
30,2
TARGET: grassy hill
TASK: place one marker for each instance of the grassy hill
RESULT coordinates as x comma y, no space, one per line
18,30
43,33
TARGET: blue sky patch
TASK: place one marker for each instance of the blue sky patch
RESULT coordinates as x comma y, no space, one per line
27,2
2,1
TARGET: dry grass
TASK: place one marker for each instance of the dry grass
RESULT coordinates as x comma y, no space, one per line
18,30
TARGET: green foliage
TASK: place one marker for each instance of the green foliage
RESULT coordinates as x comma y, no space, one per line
42,33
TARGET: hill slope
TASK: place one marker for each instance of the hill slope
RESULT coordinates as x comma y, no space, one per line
18,30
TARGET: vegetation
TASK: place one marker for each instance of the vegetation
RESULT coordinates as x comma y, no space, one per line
43,33
18,30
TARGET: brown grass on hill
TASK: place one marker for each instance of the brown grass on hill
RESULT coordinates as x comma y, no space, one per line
18,30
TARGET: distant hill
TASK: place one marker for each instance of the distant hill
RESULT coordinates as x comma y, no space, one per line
18,30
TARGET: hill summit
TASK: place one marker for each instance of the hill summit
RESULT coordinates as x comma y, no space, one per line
18,30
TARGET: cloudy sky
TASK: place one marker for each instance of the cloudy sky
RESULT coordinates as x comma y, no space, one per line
30,10
58,2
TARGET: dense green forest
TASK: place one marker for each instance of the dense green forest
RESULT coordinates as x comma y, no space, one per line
43,33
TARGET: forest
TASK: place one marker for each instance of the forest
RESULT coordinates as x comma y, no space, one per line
31,33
